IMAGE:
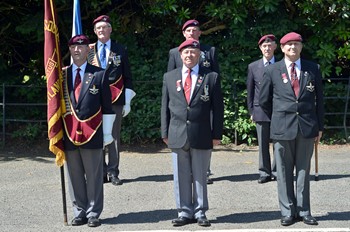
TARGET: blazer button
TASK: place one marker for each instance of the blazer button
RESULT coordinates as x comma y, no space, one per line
297,112
297,101
77,110
188,122
188,108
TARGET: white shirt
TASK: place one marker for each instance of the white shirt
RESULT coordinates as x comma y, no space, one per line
297,67
194,76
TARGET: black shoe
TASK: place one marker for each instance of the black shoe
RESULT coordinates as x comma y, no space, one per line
264,179
115,180
309,220
273,178
78,221
287,220
203,221
209,180
181,221
94,222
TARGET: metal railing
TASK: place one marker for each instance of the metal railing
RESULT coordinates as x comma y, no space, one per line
5,105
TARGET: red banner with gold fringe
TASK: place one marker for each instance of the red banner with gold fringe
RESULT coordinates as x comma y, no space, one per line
53,71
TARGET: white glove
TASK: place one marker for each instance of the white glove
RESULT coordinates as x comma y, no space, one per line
129,94
107,126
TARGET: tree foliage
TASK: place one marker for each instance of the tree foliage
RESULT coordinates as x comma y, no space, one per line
150,28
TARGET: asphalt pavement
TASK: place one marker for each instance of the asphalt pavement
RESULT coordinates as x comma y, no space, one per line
31,196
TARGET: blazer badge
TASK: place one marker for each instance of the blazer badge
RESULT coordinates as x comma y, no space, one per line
310,87
93,90
205,97
116,59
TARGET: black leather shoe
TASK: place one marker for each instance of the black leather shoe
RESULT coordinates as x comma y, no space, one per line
203,221
181,221
209,180
309,220
287,220
264,179
78,221
94,222
115,180
273,178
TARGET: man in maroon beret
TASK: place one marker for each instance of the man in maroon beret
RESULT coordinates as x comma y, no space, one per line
208,57
267,45
191,124
291,94
106,53
88,128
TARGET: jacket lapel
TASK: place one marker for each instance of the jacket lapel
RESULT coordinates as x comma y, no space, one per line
200,80
85,83
303,78
70,84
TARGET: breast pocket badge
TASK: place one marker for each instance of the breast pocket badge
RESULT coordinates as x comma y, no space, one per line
205,97
310,87
93,90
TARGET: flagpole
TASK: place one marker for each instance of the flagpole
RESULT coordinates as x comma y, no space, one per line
55,108
63,187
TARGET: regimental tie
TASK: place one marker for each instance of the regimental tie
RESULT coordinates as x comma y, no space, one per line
187,86
77,85
294,80
103,56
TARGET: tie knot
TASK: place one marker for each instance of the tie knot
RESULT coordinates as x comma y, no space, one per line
293,65
78,69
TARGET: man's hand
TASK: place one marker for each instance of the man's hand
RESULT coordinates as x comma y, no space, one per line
318,138
216,142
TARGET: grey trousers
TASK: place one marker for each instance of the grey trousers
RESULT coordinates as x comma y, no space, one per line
263,134
190,181
85,170
112,165
292,154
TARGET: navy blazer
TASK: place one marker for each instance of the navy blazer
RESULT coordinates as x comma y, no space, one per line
290,114
119,60
181,122
254,80
95,94
207,59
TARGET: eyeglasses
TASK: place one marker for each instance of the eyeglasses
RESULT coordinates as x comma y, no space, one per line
102,27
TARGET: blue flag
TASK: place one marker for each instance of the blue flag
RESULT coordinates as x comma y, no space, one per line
77,28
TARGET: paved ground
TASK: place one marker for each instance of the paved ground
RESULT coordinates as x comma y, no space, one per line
31,200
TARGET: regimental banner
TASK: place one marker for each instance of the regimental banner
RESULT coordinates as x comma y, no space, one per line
55,101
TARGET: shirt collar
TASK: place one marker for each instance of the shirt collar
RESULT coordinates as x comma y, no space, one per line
82,67
289,63
195,69
272,60
108,44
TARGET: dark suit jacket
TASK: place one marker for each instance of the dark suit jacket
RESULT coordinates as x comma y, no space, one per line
254,80
306,112
119,60
208,58
90,102
181,122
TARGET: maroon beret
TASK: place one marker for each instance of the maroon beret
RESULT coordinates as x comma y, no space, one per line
191,22
291,36
192,43
267,38
102,18
79,39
